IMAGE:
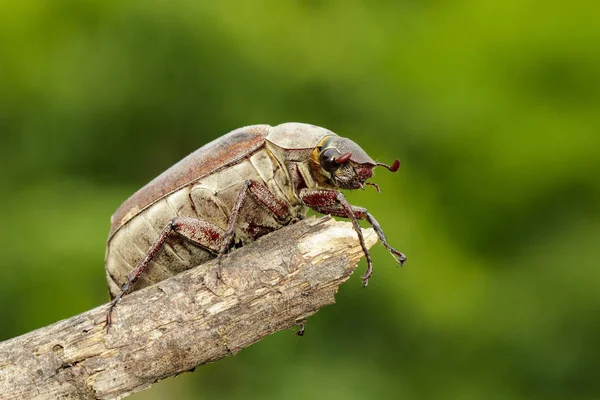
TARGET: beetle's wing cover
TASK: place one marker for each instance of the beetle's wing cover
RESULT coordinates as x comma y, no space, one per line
218,154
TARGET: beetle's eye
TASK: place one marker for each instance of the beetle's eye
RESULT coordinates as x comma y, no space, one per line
327,159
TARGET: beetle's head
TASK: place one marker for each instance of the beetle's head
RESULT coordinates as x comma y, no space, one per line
342,163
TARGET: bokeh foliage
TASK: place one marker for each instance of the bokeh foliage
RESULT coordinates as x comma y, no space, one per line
492,107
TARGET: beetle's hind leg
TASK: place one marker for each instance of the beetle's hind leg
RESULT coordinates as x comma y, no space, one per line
200,232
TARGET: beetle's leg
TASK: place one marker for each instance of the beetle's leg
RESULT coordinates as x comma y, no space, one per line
400,257
362,213
198,231
235,213
331,202
262,195
321,199
300,332
229,233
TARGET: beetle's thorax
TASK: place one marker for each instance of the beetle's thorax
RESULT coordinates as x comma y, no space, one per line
297,163
292,145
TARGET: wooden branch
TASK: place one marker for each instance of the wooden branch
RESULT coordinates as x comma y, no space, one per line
187,320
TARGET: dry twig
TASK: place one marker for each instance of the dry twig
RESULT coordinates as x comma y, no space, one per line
185,321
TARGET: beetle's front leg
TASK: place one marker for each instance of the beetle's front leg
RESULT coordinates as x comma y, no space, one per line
400,257
319,200
334,203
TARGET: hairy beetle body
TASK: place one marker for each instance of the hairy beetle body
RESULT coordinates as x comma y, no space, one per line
239,187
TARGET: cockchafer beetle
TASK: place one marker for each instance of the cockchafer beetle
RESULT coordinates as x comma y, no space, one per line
239,187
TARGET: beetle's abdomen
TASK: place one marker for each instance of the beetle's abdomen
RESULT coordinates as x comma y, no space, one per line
131,243
210,199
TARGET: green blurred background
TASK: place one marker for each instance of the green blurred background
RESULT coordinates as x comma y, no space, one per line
492,107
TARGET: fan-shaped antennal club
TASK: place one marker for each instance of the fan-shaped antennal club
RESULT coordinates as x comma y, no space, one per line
395,166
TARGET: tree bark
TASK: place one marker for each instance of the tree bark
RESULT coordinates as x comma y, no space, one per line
187,320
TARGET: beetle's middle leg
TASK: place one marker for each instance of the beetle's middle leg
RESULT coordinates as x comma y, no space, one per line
262,195
200,232
334,203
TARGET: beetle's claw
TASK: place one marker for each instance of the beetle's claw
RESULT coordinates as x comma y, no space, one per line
398,256
366,277
108,319
124,289
402,258
300,331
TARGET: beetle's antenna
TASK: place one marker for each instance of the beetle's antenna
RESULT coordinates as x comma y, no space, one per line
393,168
343,158
374,184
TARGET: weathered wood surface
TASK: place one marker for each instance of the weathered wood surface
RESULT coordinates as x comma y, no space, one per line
185,321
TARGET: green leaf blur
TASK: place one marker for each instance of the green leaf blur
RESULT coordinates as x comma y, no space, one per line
492,107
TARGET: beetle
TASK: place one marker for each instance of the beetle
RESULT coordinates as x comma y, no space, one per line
237,188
